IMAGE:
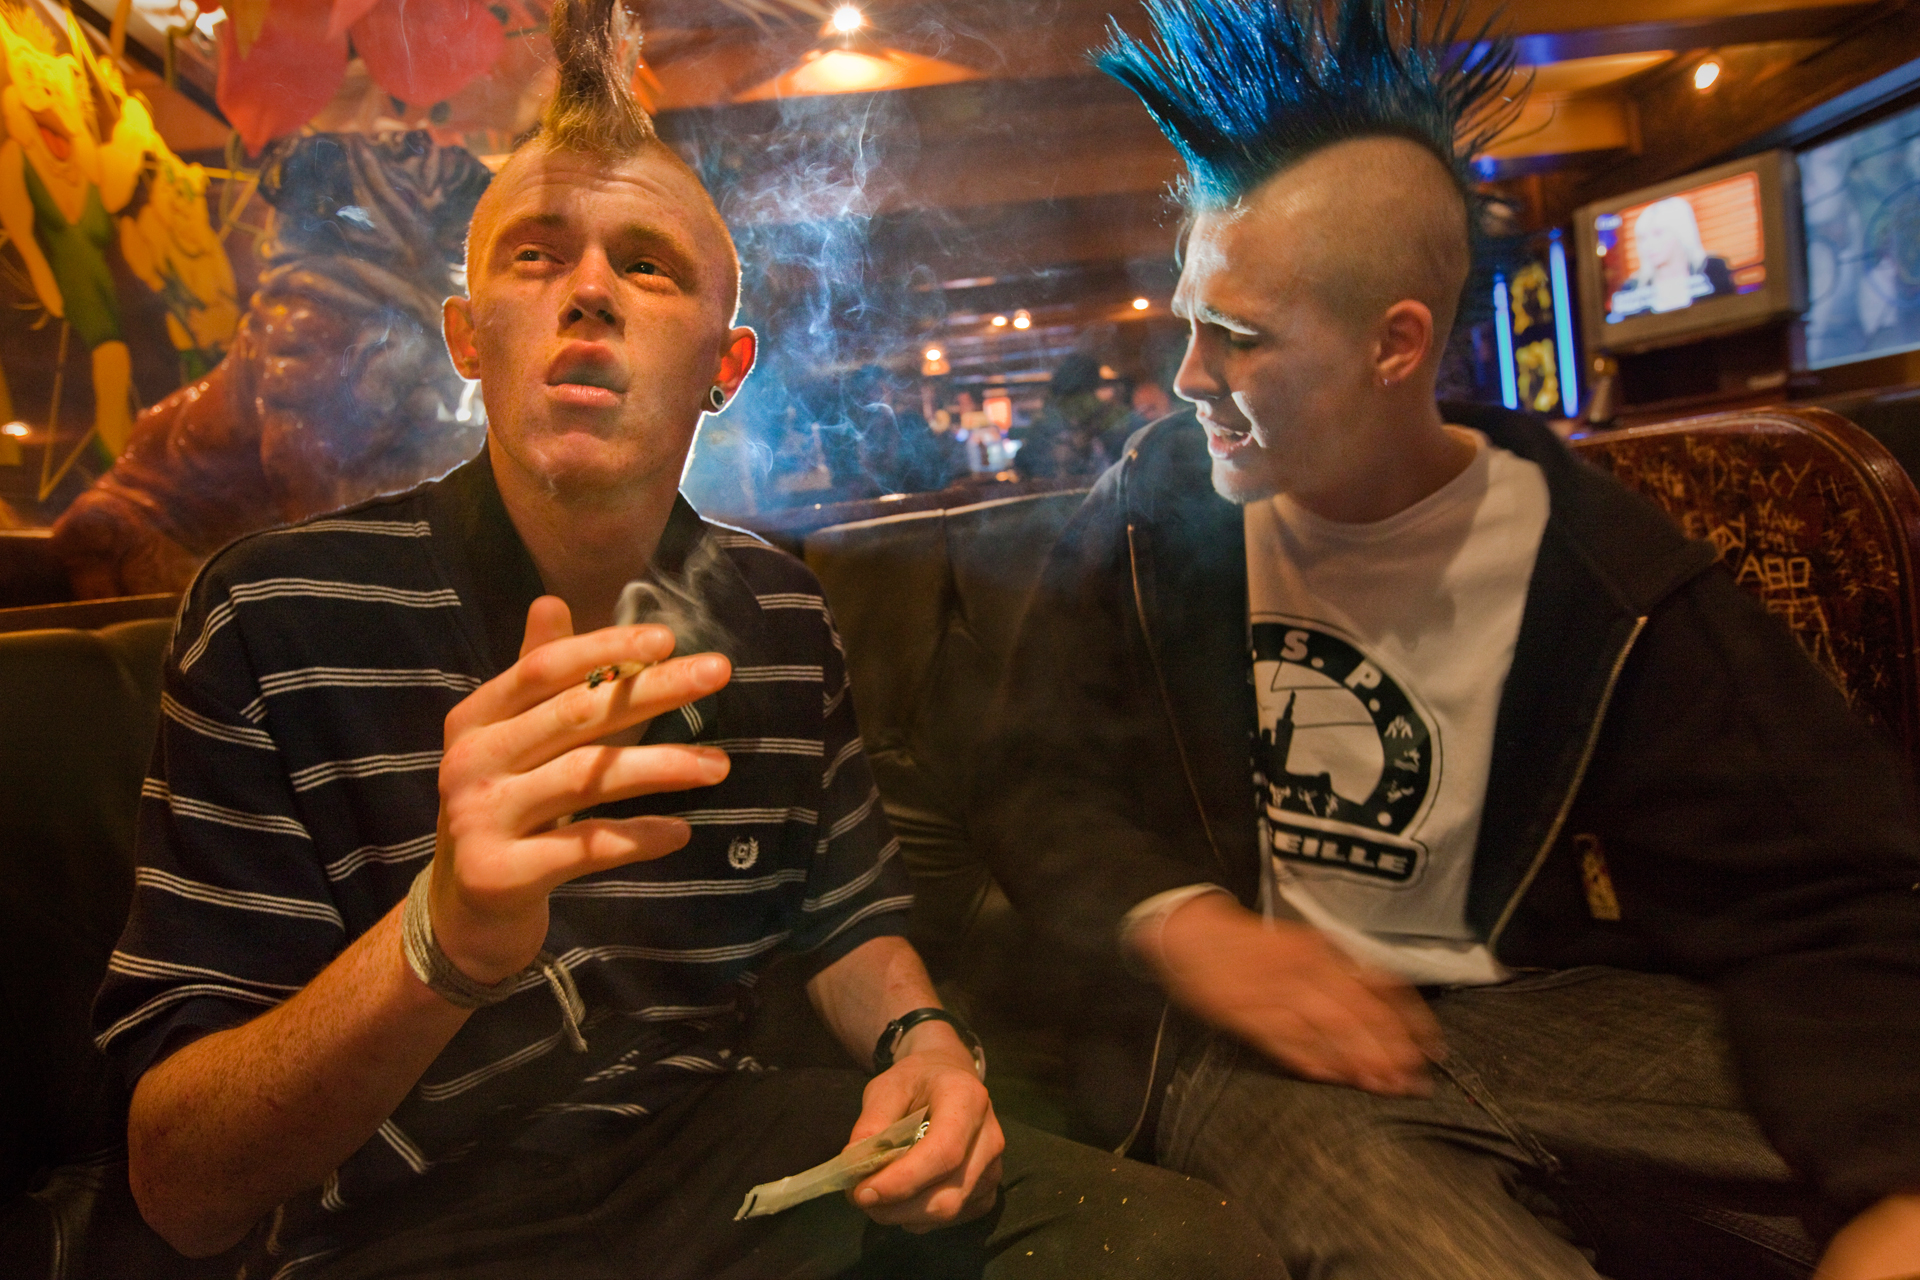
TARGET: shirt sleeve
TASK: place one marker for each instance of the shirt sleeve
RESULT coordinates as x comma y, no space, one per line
856,887
231,911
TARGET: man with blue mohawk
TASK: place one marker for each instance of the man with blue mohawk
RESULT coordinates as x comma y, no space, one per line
1573,925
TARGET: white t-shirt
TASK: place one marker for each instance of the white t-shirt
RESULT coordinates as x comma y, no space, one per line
1379,655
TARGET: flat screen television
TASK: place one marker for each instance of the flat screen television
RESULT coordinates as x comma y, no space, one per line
1860,203
1713,252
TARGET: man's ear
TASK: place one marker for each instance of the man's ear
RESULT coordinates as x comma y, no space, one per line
736,361
1405,341
456,321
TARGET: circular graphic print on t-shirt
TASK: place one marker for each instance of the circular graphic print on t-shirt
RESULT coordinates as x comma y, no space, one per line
1345,759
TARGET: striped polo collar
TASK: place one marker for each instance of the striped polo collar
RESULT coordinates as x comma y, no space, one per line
487,565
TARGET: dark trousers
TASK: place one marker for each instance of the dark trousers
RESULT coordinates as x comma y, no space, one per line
1584,1121
659,1204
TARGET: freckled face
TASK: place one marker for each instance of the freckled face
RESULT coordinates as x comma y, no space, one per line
597,320
1272,372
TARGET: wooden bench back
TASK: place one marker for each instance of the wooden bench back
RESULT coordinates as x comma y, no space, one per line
1815,518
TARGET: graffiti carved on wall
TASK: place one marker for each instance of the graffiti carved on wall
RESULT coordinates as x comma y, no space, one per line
1794,526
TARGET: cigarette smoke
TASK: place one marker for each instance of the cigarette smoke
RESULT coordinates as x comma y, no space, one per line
808,186
678,601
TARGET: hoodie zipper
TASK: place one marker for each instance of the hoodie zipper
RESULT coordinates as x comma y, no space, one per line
1193,789
1159,677
1573,787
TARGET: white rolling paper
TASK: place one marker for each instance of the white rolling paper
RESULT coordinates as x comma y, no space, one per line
868,1156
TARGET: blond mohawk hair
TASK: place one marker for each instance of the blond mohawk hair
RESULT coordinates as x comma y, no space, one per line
593,110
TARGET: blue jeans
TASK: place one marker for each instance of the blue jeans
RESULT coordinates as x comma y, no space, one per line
1582,1120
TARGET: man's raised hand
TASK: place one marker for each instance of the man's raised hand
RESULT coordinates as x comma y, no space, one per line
1282,988
525,750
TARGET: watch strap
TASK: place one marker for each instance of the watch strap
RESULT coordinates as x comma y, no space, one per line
898,1028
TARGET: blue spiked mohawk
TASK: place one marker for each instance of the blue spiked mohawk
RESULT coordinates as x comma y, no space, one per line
1246,88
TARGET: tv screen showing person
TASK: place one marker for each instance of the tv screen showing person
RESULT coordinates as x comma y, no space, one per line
1860,197
1688,248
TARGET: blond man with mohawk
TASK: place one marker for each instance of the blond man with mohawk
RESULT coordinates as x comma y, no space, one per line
443,944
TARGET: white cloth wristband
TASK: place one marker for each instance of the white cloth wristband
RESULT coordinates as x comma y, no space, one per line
1140,928
443,977
432,965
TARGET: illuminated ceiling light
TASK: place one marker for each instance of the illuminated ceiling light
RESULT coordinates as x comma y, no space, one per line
999,322
932,355
849,59
1021,320
207,22
1705,74
16,429
1141,304
843,71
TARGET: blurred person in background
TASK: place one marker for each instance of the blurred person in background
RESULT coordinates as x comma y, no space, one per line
1080,432
900,452
1150,401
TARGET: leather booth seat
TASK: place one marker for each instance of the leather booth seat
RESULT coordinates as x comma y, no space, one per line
928,605
79,708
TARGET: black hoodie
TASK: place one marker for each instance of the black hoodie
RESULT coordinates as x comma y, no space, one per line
1758,837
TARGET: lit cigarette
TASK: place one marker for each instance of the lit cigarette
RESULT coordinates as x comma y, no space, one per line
636,599
614,671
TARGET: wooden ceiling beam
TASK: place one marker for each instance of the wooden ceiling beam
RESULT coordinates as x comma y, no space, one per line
1672,35
1761,89
947,147
1559,125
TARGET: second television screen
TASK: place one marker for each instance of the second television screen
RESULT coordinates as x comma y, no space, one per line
1685,250
1860,196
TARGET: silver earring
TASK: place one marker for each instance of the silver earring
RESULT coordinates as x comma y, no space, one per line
716,397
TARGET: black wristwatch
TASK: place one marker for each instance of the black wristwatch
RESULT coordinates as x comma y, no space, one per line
890,1038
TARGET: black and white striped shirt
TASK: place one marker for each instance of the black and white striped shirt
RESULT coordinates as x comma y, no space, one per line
293,799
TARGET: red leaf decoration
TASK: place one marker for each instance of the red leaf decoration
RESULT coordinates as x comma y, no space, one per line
425,51
292,71
346,13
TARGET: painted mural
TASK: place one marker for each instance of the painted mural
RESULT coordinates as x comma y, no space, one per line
85,175
83,169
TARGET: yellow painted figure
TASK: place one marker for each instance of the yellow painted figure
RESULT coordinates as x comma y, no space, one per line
175,251
166,236
64,171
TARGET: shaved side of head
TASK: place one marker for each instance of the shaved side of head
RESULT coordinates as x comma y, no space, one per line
1381,221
